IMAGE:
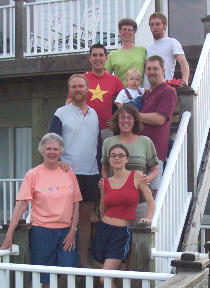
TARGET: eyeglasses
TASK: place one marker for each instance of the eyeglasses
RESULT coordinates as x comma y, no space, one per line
123,117
114,155
125,29
149,69
155,24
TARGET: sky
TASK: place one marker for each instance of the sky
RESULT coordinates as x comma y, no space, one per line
185,21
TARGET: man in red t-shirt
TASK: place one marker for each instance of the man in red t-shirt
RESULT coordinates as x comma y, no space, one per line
103,88
157,110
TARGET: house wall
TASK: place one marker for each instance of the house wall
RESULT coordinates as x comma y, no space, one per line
185,21
27,106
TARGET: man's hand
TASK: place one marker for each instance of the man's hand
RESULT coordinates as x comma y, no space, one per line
145,179
182,84
100,183
108,123
64,166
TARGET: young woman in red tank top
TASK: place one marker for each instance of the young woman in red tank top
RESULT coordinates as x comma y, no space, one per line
119,199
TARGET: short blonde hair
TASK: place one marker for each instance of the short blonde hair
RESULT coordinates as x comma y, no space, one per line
133,70
78,76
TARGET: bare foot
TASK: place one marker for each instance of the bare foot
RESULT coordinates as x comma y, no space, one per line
93,217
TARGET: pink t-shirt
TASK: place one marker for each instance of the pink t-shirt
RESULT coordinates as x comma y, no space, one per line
53,193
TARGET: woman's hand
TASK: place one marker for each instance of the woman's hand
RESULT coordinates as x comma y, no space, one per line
7,243
145,220
101,183
69,241
145,179
64,166
20,208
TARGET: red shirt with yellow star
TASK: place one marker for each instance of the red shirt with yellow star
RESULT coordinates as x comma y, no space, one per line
102,92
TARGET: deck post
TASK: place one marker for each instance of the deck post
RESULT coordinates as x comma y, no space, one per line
20,28
187,102
158,5
38,114
143,239
191,271
206,22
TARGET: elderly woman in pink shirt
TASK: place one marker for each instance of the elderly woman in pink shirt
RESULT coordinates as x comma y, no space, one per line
55,197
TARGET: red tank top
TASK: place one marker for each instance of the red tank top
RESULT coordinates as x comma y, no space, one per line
121,203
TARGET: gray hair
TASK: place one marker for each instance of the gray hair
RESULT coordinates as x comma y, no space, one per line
51,137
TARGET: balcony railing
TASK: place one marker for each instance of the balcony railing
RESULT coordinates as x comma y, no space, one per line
89,274
72,26
7,34
143,35
68,26
9,189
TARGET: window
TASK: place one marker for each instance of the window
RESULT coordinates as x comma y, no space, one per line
15,152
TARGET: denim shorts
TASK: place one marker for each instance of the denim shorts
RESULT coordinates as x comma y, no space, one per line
111,242
47,249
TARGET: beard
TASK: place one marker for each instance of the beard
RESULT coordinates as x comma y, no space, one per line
78,97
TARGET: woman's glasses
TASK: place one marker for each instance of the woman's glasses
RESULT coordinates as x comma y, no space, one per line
125,29
114,155
123,117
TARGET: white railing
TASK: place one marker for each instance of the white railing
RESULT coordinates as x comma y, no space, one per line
166,257
127,276
7,33
143,35
9,189
200,84
5,258
173,198
4,254
66,26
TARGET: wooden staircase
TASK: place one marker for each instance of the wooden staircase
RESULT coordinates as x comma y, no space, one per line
190,235
189,241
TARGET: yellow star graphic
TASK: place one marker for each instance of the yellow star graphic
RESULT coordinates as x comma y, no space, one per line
97,93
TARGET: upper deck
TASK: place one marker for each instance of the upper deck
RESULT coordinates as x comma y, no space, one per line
55,36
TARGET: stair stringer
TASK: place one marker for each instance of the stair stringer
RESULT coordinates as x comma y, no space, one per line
198,206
